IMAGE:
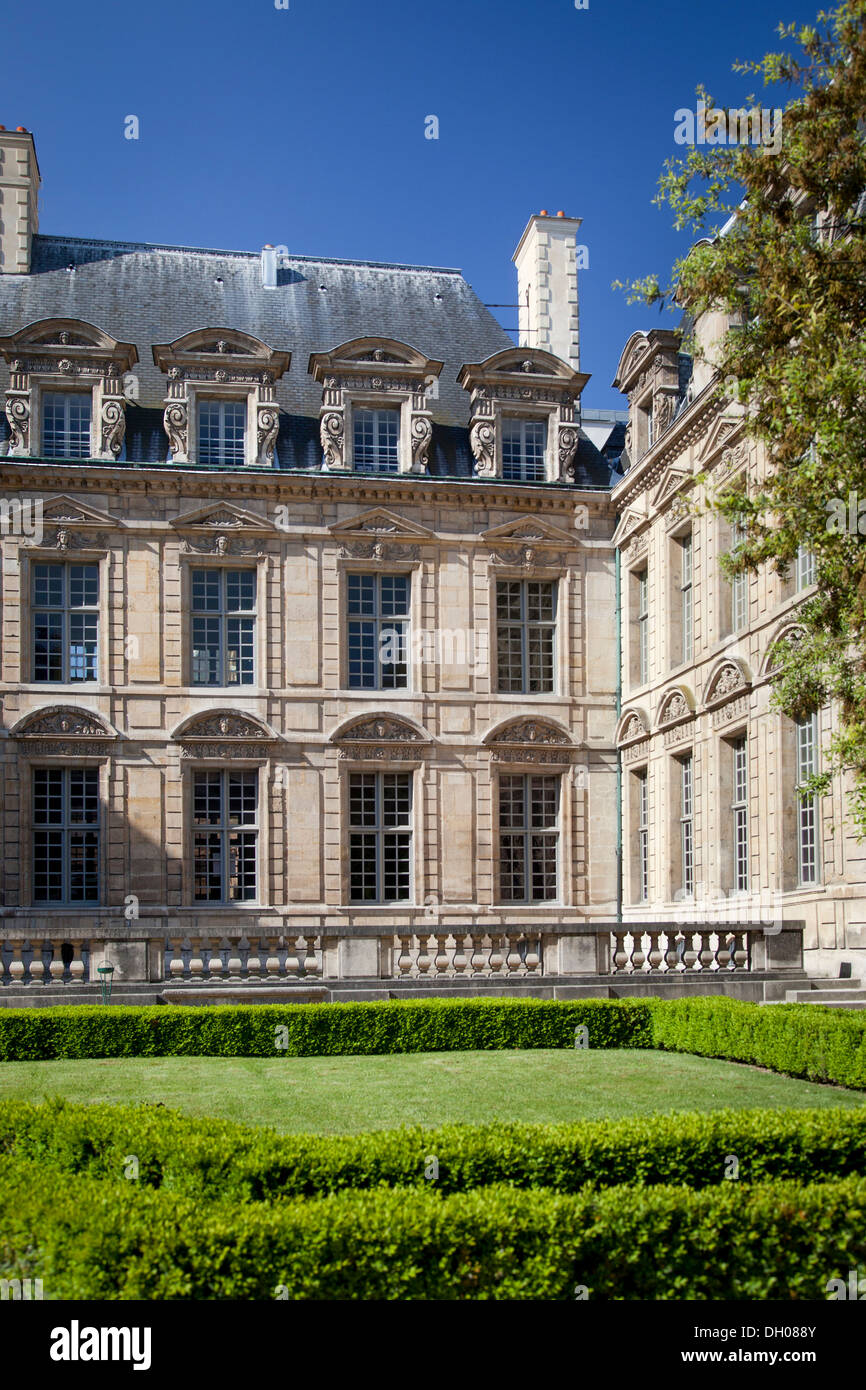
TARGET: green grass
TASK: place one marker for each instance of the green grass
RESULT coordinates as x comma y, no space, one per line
334,1095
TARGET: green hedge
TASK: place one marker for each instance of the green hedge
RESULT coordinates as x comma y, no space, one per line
93,1240
415,1025
821,1044
213,1158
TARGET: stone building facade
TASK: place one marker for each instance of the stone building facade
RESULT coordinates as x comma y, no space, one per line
311,591
712,818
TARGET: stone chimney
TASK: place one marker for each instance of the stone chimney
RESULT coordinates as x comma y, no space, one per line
19,195
546,261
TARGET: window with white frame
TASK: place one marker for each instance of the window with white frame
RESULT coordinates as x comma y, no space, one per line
380,837
223,626
65,830
66,425
225,836
806,568
376,440
642,789
642,581
525,636
65,622
686,598
739,585
524,450
807,809
378,631
687,826
528,838
222,432
740,814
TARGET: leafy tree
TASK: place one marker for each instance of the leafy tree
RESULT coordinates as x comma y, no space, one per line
789,268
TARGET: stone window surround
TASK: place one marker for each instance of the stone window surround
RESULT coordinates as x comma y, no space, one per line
724,753
346,564
419,888
201,762
41,361
564,822
97,555
27,761
544,574
187,561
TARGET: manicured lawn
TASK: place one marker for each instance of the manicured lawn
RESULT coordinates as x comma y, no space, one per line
332,1095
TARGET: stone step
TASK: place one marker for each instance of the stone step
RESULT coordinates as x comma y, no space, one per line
825,996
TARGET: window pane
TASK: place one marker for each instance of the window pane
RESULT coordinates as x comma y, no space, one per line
66,426
523,449
206,651
206,591
376,436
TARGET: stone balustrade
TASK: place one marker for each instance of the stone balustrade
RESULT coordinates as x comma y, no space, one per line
148,953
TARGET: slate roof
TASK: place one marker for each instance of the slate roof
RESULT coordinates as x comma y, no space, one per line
148,294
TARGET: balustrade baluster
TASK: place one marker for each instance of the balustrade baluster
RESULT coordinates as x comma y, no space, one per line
56,968
235,963
254,963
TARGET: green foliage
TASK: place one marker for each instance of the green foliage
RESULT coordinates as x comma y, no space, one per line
789,271
207,1159
416,1025
797,1039
99,1240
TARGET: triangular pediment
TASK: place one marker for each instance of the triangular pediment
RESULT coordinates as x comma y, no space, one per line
722,433
67,511
532,529
223,516
630,522
378,521
672,481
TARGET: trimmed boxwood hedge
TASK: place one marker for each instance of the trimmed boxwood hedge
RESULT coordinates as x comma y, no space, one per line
206,1158
820,1044
804,1040
412,1025
94,1240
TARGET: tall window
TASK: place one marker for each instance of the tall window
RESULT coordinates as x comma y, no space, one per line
528,838
222,428
380,836
376,435
686,598
524,447
378,630
65,835
807,810
223,626
740,812
642,627
225,836
739,586
807,571
687,826
65,618
66,425
642,837
525,635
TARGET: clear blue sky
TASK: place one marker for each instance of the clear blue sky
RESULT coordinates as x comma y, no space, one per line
305,127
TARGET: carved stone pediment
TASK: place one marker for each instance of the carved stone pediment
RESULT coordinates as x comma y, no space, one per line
381,738
380,521
530,741
529,529
677,705
63,722
68,511
723,436
728,680
223,724
224,516
630,523
792,633
673,480
633,726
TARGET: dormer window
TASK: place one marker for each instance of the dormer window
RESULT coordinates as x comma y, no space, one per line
376,440
66,425
65,398
525,416
376,416
222,431
524,450
221,408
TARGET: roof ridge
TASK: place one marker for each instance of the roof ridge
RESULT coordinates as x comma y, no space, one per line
241,255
